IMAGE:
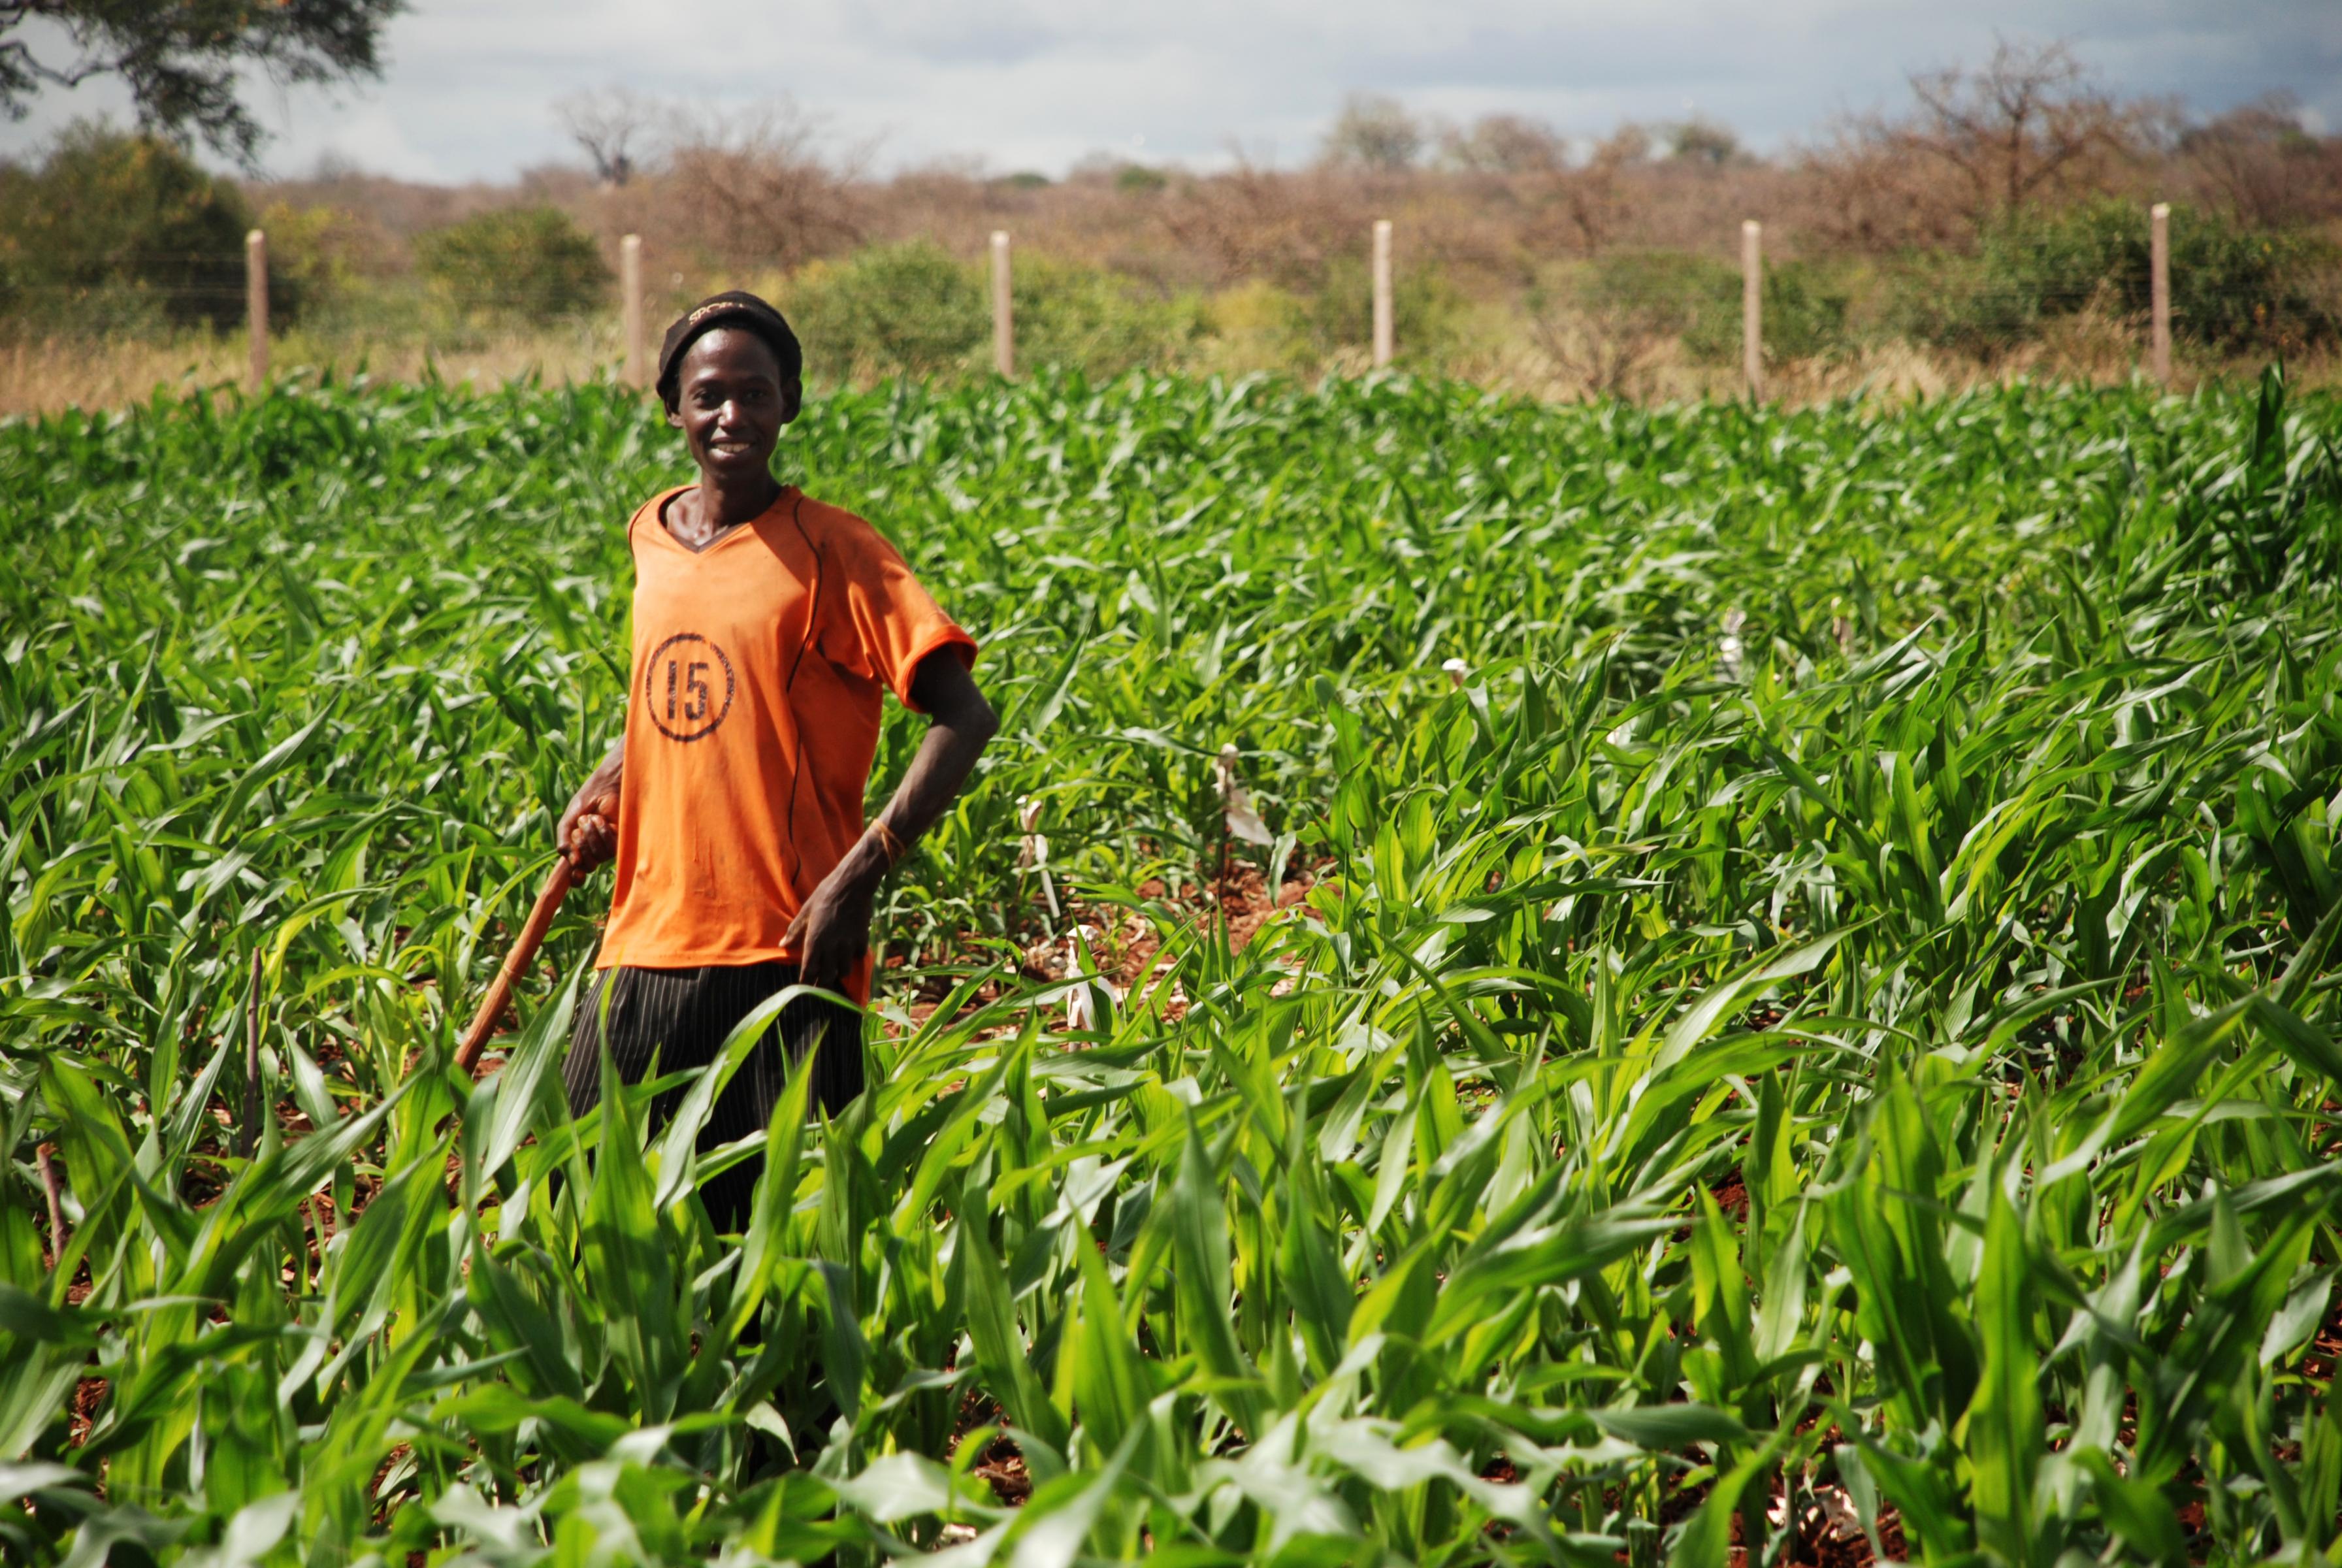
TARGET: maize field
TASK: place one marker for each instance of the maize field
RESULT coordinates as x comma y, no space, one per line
1759,986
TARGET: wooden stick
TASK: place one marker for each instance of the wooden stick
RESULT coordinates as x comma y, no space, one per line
2158,232
630,308
1384,318
54,1188
516,962
1752,306
255,309
1004,329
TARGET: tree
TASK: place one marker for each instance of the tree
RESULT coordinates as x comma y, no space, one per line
181,59
1978,147
1700,140
757,190
1504,144
611,126
2261,164
527,265
1375,131
2017,128
905,309
122,233
1595,197
1253,223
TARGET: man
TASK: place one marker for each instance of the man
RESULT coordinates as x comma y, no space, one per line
766,625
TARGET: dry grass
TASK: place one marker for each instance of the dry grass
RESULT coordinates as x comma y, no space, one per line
1495,345
45,376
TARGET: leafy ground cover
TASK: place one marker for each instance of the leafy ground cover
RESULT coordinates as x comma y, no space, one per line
1812,1040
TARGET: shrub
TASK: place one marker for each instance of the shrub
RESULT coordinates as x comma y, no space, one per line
521,264
907,309
1427,310
1805,315
1603,322
913,309
116,231
2232,287
1677,293
1697,299
1090,319
1255,325
334,265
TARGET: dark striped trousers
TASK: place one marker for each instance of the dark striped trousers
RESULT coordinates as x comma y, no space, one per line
682,1016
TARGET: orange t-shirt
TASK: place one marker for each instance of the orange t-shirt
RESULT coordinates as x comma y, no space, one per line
752,723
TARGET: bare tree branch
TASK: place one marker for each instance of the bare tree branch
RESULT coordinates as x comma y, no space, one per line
181,59
2026,126
613,126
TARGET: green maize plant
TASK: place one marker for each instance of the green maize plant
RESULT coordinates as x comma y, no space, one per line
1787,1014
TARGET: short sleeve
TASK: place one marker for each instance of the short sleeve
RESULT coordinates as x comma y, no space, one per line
879,623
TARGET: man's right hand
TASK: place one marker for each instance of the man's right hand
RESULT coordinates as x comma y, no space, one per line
588,829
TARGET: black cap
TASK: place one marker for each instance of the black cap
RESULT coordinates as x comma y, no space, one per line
733,308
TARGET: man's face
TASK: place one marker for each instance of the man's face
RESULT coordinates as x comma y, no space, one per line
731,402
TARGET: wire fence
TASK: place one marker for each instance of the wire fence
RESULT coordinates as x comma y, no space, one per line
1597,319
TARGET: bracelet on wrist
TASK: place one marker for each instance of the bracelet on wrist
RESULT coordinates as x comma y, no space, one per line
889,843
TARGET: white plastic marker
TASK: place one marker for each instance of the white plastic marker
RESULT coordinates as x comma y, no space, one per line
1243,823
1090,1005
1034,851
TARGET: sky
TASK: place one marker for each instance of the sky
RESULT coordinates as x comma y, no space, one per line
469,85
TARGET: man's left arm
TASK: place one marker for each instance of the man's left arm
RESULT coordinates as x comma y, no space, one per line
832,930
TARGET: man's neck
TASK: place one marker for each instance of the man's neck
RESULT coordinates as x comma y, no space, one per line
717,507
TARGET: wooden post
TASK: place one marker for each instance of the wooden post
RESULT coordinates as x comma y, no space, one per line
1752,306
255,308
1385,328
1004,326
630,307
2158,285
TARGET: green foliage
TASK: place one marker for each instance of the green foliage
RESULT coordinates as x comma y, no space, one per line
516,265
1838,1006
323,264
185,61
908,309
2232,288
1668,293
1697,298
1805,315
1338,317
913,309
122,233
1084,318
1375,131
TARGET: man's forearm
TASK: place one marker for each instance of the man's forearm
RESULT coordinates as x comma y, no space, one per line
832,930
963,723
947,755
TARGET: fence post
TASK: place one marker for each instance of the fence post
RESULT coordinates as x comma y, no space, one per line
2159,291
255,308
1384,329
1004,326
1752,306
630,305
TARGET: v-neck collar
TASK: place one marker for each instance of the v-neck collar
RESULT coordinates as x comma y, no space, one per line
658,521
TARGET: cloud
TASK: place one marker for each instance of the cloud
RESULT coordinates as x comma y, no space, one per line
1038,83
